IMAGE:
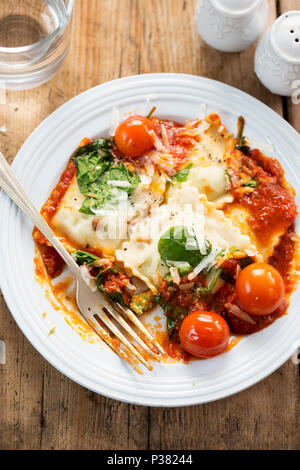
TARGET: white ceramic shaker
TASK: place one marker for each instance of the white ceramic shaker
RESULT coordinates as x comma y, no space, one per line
231,25
277,57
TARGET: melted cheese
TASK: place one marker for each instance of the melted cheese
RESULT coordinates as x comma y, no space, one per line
184,208
208,158
210,180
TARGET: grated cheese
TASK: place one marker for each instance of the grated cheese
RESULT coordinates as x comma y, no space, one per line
207,262
178,264
157,142
118,183
175,275
85,274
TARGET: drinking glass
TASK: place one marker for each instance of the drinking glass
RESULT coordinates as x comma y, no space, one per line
34,40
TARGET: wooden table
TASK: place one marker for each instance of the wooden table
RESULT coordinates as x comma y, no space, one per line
42,409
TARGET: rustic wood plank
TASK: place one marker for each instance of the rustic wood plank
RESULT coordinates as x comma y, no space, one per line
42,408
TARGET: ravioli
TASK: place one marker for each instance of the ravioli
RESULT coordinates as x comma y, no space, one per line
176,222
105,230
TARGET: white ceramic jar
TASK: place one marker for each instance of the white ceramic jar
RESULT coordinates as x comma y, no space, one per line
277,57
231,25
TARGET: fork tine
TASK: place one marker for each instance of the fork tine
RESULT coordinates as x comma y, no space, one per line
108,340
141,327
122,338
132,333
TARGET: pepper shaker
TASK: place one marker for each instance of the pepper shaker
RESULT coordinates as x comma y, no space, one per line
277,57
231,25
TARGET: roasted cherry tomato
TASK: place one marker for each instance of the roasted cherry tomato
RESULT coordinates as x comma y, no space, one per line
259,289
204,334
132,136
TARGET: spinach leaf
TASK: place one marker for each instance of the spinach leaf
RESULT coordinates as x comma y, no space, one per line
91,162
95,172
116,296
98,197
83,257
183,174
102,193
121,173
174,245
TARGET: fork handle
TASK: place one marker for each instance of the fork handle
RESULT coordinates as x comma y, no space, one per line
10,184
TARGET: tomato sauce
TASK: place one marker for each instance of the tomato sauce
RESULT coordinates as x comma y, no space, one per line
53,262
179,143
239,326
283,257
272,210
271,205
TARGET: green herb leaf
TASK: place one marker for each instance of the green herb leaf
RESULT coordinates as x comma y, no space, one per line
214,280
83,257
171,324
173,246
252,184
182,175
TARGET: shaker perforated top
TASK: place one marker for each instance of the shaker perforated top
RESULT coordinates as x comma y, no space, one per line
235,7
285,36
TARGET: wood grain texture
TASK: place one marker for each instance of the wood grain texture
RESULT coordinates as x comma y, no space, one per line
42,409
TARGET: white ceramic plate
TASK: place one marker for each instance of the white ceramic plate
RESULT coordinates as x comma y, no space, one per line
39,164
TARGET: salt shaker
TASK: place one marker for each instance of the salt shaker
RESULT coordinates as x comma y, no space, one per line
231,25
277,57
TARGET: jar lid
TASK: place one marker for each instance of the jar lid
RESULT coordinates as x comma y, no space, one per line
285,36
235,7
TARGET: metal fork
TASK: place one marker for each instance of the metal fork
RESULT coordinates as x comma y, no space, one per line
94,306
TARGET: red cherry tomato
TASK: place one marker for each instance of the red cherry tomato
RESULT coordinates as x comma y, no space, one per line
204,334
259,289
132,136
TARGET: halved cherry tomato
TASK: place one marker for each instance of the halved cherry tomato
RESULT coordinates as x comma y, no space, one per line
132,136
204,334
259,289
